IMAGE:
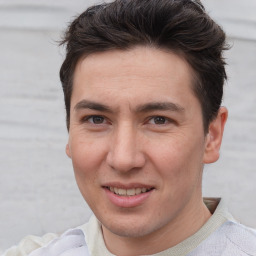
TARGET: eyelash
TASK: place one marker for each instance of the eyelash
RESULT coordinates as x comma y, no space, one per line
162,118
86,119
166,120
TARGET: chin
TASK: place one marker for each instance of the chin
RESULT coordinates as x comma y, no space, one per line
131,227
131,232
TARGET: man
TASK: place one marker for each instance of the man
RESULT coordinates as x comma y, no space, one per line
143,84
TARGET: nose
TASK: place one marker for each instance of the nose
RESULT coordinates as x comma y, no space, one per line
125,152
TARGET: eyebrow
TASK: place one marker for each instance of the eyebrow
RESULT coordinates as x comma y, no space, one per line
152,106
166,106
83,104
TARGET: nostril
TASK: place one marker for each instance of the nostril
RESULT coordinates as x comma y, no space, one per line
126,162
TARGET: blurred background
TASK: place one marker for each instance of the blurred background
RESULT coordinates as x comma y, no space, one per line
38,193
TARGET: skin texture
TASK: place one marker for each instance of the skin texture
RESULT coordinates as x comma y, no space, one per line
135,122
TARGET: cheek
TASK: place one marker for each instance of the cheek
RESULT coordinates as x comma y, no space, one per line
87,157
86,162
179,159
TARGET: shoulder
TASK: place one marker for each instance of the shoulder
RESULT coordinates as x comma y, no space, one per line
29,244
230,239
240,237
71,242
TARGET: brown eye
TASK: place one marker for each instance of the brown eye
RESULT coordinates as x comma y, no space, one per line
96,119
159,120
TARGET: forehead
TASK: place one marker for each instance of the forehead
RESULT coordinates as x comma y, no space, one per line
138,74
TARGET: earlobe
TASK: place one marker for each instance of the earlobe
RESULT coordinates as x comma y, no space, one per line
68,151
214,136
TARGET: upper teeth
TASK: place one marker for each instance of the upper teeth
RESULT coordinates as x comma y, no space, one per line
128,192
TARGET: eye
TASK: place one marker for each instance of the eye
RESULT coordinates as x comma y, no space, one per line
158,120
95,119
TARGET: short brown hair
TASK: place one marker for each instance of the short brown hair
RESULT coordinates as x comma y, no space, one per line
181,26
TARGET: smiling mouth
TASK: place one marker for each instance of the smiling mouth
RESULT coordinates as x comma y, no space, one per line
128,192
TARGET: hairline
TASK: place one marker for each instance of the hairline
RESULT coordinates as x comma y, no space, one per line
195,79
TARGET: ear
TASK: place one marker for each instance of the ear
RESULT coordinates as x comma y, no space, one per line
68,151
214,137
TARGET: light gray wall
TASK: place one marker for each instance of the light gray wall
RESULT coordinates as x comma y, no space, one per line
38,193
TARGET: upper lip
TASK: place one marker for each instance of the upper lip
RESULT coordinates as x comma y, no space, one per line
127,185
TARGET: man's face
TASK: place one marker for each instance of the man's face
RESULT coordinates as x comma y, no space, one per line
136,139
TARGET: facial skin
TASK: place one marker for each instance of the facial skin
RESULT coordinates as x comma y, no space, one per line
136,123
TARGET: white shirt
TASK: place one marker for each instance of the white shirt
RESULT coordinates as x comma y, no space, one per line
221,235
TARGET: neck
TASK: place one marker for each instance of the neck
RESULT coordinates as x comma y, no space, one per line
189,221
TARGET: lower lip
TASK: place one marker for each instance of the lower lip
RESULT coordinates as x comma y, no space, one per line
127,201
